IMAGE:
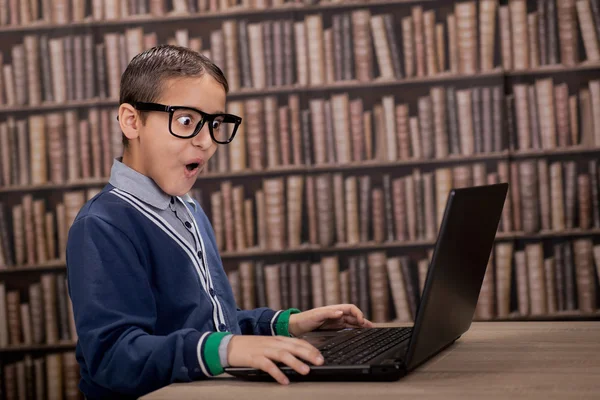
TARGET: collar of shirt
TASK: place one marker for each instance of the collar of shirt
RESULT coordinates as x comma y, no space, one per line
139,185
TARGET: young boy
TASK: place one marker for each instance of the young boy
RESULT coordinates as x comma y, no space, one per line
152,303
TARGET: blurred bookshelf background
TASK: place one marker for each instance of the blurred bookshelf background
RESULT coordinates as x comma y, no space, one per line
359,117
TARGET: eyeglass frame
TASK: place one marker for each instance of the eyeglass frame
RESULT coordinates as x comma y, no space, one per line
143,106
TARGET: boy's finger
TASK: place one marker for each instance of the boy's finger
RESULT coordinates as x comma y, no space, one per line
308,353
270,368
288,359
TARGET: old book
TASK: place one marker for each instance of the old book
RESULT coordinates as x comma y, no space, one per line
465,121
217,220
430,44
505,37
364,183
487,122
272,136
419,40
588,30
408,46
426,127
557,196
453,58
284,285
594,86
399,207
542,31
544,194
378,215
311,210
537,281
324,212
586,122
295,186
18,234
317,289
331,282
440,45
453,130
584,274
466,21
567,32
13,317
521,276
584,201
569,277
317,113
268,50
316,60
503,258
330,135
570,179
545,103
561,100
228,215
56,150
272,286
356,128
237,203
257,55
4,328
528,179
396,54
477,119
550,284
523,121
411,207
534,44
429,207
487,31
378,286
389,118
305,286
352,211
593,171
340,109
536,137
249,222
553,57
382,47
403,132
275,212
387,198
438,99
415,138
559,274
339,201
518,25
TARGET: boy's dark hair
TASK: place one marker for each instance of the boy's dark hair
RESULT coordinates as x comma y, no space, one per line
143,78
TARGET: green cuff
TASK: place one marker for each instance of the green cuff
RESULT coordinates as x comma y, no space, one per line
283,321
210,353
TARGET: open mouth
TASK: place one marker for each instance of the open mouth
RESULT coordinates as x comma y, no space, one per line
192,166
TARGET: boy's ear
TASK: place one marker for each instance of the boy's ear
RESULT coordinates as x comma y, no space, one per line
129,120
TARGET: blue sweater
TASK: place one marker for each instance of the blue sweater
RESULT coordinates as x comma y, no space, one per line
149,310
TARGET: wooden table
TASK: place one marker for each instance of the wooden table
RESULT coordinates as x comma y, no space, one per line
493,360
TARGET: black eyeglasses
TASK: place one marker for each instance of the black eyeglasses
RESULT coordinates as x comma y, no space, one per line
186,122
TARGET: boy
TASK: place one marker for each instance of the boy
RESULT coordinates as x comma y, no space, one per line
152,303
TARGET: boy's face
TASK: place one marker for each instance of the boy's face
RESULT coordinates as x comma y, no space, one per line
174,163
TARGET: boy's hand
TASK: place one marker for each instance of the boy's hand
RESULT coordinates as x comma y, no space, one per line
263,351
338,316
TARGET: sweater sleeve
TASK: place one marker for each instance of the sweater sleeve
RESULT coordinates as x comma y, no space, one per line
265,321
115,315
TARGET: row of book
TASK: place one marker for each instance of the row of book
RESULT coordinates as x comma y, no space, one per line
35,232
330,209
62,12
358,46
52,376
44,316
527,280
59,147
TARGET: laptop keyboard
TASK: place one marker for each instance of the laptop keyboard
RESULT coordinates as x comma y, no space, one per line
362,345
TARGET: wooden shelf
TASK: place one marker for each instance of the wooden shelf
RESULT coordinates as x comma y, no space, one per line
47,107
314,169
83,183
51,266
570,315
20,348
234,12
553,69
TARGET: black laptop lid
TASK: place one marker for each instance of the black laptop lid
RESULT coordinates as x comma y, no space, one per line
456,272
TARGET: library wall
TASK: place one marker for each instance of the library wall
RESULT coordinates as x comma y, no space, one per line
358,118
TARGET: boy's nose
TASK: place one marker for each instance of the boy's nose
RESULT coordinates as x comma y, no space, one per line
202,139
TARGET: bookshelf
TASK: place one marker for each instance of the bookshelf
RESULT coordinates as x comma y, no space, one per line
359,116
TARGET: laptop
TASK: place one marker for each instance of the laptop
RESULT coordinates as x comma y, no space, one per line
450,294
